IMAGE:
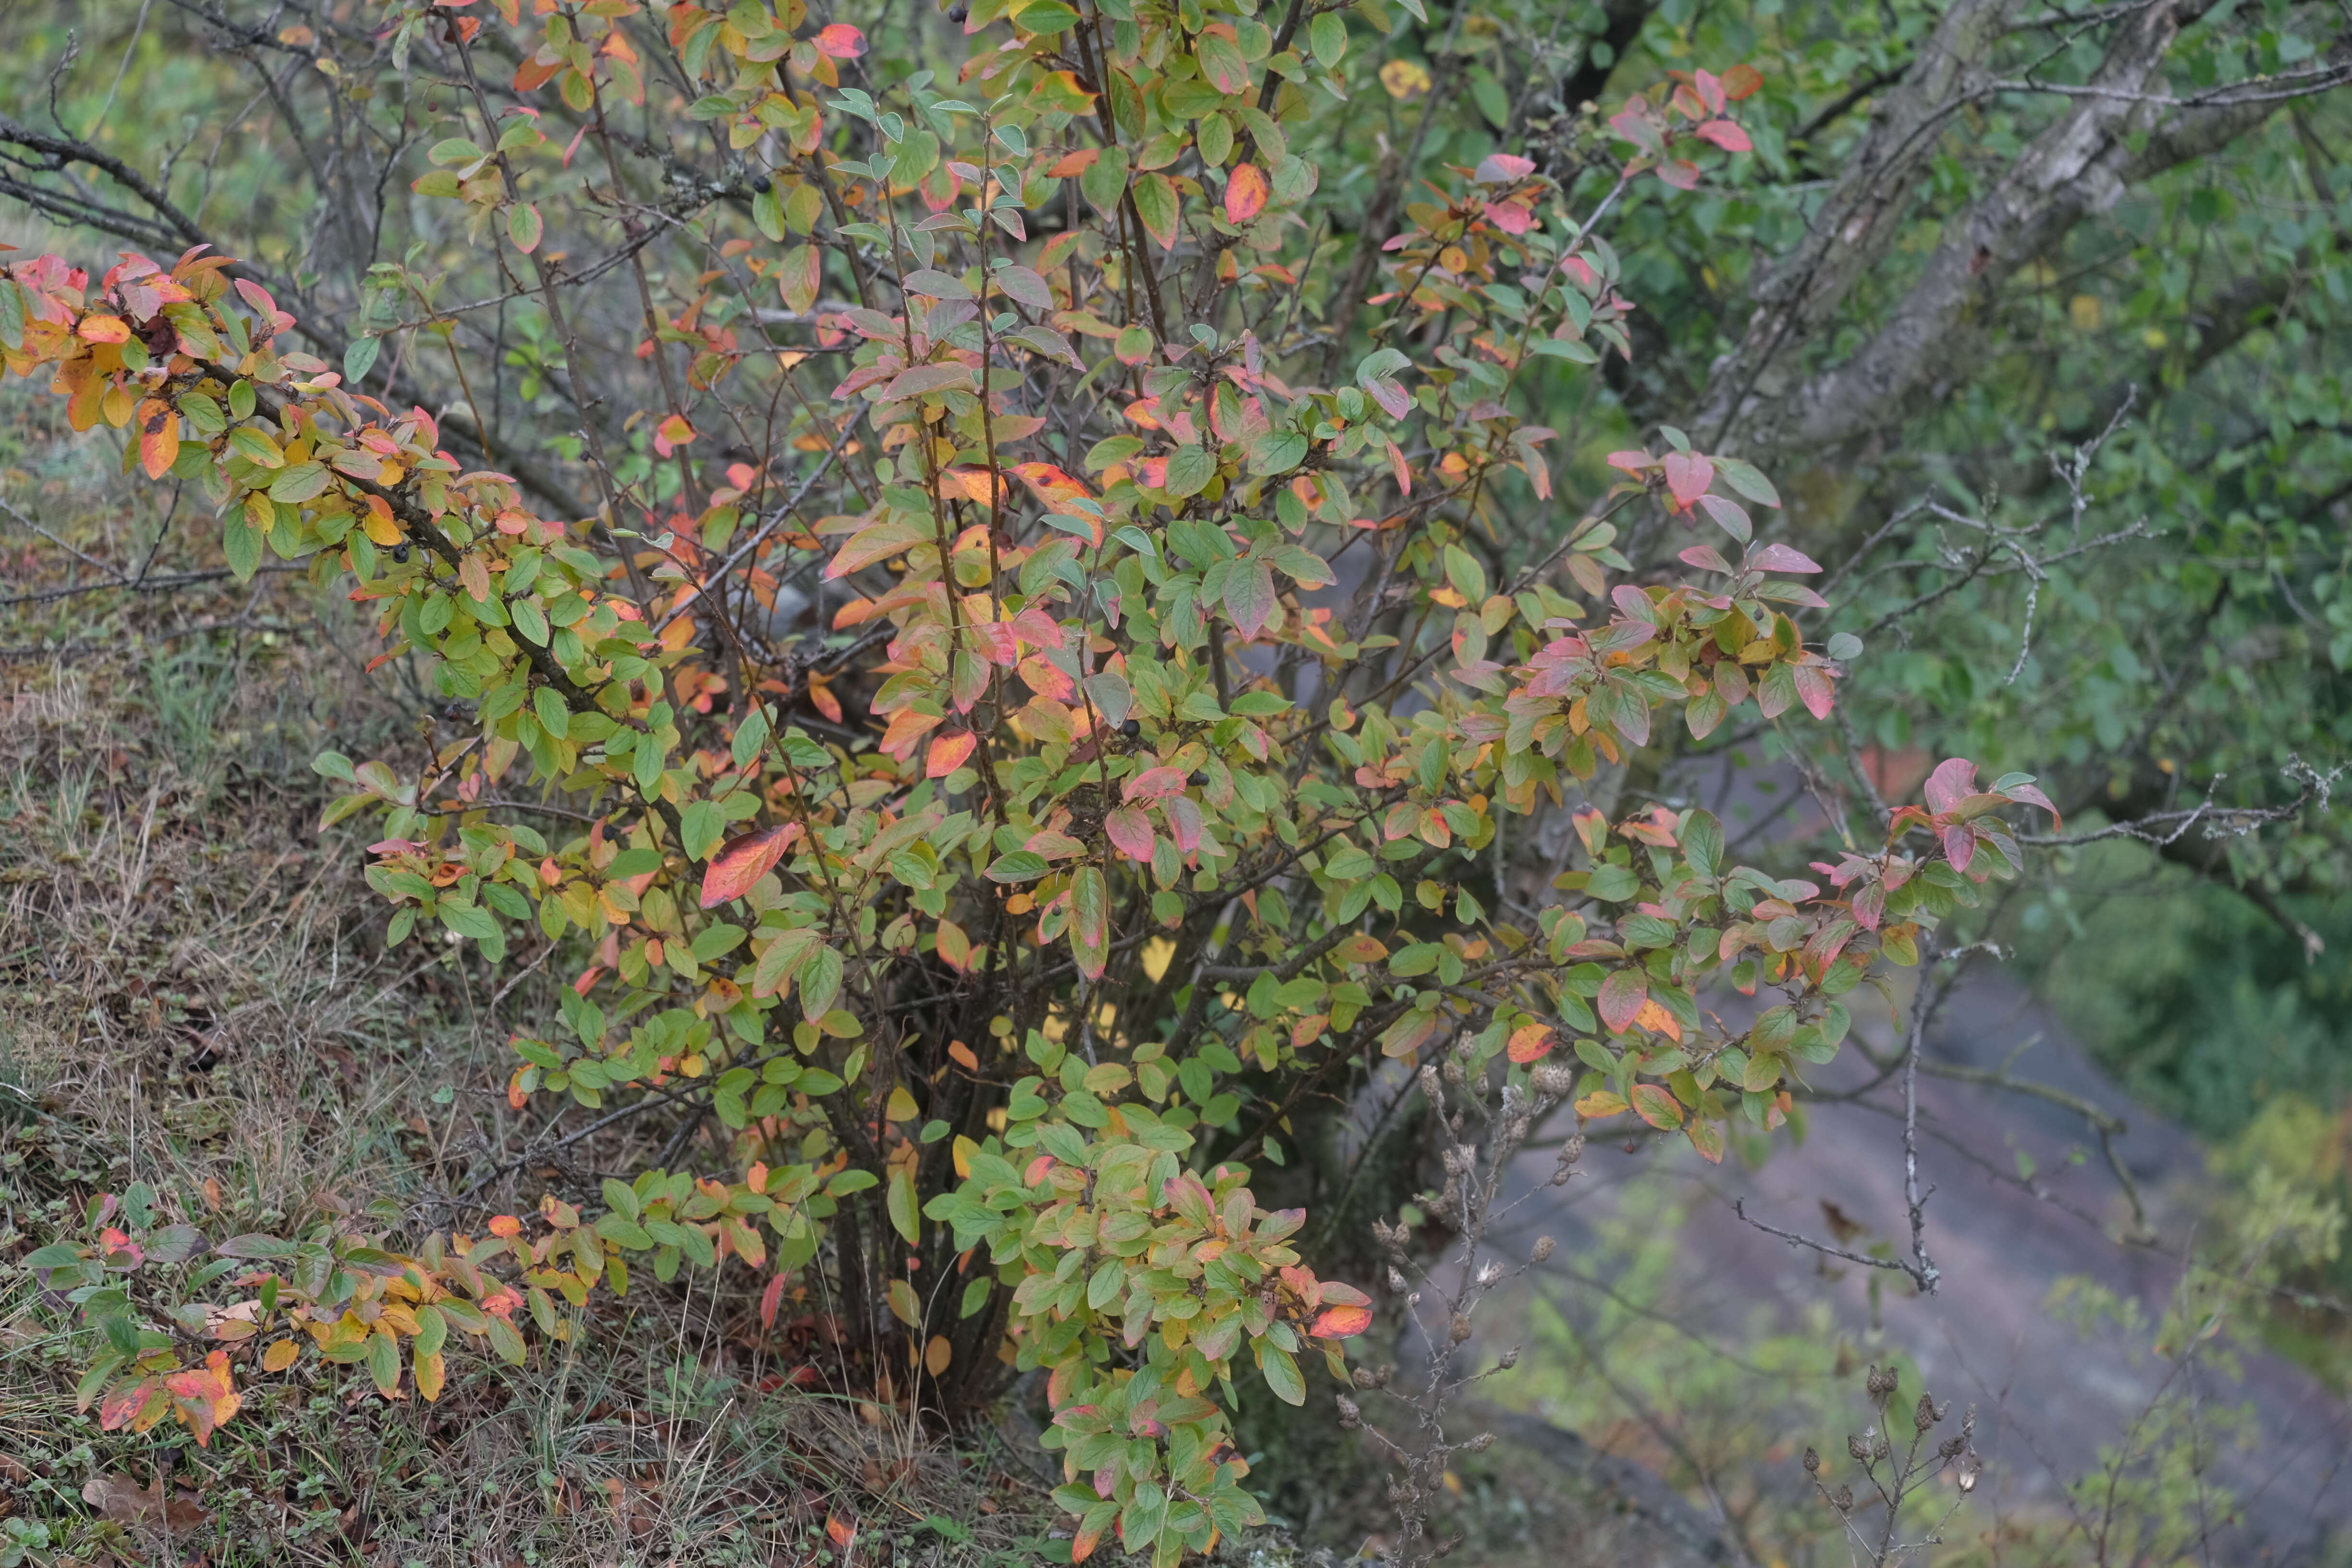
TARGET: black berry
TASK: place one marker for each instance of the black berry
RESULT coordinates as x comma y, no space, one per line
1200,779
1131,729
400,553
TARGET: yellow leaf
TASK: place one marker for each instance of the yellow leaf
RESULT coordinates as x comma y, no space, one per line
279,1356
1405,80
963,1149
1599,1103
903,1304
902,1107
1157,954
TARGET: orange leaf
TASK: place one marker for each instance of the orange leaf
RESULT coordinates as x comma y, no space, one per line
840,1534
159,437
1245,192
97,328
1530,1044
673,432
841,42
1658,1020
505,1224
743,860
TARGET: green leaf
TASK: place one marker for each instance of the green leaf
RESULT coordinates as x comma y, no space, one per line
241,542
1018,866
1189,469
820,983
303,482
359,358
900,1202
1281,1373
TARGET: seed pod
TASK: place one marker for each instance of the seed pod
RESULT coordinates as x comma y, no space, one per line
1927,1415
1480,1444
1552,1080
1857,1451
1543,1248
1459,1329
1813,1462
1507,1360
1351,1415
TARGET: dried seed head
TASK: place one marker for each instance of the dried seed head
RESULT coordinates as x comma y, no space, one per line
1452,1071
1949,1448
1879,1447
1813,1462
1452,1195
1461,1160
1351,1415
1552,1080
1459,1330
1429,1085
1927,1415
1397,1282
1464,1044
1364,1377
1507,1360
1842,1499
1857,1449
1543,1248
1480,1444
1971,1467
1880,1384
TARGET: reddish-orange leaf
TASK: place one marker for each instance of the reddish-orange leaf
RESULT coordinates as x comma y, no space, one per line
1339,1322
1531,1042
743,860
1245,192
1621,995
947,752
505,1224
962,1056
840,41
769,1298
838,1532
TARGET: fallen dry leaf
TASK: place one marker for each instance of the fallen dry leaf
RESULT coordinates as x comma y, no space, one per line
122,1500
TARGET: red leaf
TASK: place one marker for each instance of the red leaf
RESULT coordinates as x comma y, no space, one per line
1779,558
769,1298
1130,830
1154,783
1621,995
1742,81
743,860
1959,845
1954,780
1708,557
1503,168
1245,192
1728,135
841,42
1815,689
1689,475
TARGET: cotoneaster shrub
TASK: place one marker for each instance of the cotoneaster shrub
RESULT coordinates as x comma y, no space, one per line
1004,928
